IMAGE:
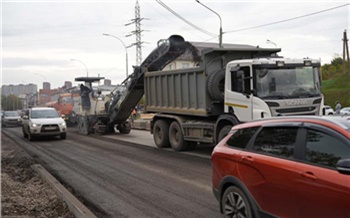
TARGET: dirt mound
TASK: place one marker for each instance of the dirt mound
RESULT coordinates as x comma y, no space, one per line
23,192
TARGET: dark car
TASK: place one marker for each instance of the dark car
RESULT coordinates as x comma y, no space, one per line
10,118
284,167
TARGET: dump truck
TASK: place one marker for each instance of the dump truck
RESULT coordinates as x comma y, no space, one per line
226,86
64,106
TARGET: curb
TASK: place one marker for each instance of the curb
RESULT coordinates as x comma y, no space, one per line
75,206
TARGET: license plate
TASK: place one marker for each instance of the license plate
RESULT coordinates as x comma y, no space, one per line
50,128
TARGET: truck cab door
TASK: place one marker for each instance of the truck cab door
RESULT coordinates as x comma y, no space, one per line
238,95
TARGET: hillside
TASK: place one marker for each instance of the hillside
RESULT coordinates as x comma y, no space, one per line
337,89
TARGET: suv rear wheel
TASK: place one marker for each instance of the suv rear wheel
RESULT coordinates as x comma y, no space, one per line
234,203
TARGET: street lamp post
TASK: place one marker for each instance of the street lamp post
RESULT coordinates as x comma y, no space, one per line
126,51
220,31
87,72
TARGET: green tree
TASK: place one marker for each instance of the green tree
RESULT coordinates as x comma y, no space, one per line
11,102
337,61
334,69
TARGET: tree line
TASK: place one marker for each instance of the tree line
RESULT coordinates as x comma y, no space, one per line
11,103
334,69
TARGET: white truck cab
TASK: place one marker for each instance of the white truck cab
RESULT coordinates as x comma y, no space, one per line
266,87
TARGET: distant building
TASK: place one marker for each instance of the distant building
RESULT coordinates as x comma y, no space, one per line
46,86
19,89
45,96
107,82
68,84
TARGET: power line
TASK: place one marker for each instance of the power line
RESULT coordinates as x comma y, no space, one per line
281,21
184,20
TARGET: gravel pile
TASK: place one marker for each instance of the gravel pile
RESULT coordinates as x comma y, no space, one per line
23,192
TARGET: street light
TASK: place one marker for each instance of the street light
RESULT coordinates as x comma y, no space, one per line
126,51
271,42
87,72
220,31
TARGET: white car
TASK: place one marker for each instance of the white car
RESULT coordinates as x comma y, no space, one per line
43,121
328,110
10,118
345,111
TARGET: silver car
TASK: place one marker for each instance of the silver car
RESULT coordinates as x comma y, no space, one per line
10,118
345,111
43,121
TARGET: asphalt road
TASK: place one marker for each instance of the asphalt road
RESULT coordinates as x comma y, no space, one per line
124,179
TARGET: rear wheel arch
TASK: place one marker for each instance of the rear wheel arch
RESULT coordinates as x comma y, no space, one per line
230,181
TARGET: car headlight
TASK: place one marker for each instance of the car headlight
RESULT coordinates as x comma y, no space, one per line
35,125
62,124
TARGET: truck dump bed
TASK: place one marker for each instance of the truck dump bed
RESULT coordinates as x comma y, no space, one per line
196,91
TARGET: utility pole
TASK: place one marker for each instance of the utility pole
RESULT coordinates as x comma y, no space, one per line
345,51
137,32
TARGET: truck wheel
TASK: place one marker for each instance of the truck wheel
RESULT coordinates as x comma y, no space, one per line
161,134
124,128
110,128
216,85
223,132
176,138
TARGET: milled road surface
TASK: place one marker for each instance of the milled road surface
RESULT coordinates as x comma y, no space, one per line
116,179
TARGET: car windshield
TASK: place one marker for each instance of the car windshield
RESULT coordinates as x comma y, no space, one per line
11,114
294,82
38,114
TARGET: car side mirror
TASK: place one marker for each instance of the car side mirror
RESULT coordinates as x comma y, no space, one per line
25,117
343,166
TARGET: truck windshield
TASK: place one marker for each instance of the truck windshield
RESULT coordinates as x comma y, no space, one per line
67,100
298,82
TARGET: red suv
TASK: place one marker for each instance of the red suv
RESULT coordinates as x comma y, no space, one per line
284,167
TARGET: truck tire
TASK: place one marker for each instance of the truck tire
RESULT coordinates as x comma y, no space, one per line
161,134
223,132
176,138
216,85
124,128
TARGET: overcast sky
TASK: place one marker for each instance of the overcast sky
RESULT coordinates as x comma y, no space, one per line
39,38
